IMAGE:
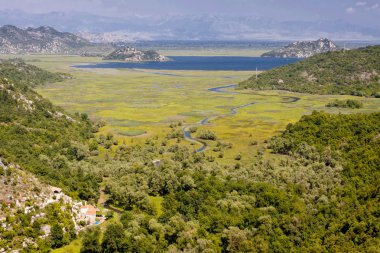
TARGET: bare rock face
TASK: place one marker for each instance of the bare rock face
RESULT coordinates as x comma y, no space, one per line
303,49
131,54
44,39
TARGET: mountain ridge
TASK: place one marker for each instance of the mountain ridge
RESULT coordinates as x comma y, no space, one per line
43,39
303,49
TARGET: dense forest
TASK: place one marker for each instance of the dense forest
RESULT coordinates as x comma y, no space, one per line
321,194
353,72
350,215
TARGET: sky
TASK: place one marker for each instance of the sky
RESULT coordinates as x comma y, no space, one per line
364,12
357,18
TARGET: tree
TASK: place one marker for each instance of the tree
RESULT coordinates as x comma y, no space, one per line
113,237
91,241
237,240
56,236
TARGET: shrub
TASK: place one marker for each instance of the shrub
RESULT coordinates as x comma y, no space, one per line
349,103
207,135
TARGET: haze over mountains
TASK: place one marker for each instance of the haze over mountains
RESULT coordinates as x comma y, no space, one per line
188,27
44,39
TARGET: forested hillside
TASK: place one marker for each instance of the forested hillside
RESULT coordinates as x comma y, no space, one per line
25,75
355,72
319,195
349,215
39,136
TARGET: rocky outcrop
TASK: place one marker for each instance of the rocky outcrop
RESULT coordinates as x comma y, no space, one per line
41,40
303,49
131,54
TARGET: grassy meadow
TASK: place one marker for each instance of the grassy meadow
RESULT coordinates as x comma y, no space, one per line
138,104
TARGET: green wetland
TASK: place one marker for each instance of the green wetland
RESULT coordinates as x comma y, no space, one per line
138,103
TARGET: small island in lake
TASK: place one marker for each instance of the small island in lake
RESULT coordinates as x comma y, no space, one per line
132,54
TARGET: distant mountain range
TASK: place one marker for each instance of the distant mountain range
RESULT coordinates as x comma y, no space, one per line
303,49
44,39
187,27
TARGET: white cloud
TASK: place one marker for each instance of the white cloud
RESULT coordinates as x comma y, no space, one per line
361,3
350,10
373,7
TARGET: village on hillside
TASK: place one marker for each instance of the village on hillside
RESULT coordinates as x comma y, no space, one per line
24,199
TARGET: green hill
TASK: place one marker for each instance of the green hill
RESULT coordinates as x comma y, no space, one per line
38,136
22,74
351,212
355,72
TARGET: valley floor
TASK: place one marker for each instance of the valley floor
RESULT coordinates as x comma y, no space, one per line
137,104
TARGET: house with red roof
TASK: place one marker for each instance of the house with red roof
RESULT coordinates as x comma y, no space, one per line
89,212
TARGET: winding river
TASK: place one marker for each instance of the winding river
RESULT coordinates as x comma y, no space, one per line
233,111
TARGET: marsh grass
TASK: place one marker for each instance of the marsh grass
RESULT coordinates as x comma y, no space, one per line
139,104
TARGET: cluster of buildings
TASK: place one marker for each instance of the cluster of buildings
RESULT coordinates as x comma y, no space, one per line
20,190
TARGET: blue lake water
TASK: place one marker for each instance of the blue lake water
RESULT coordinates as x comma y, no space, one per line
201,63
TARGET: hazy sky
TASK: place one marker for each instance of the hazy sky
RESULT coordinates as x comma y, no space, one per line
363,12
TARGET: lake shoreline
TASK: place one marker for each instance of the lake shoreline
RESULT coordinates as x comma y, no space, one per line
209,63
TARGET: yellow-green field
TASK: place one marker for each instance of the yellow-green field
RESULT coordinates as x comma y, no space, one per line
140,104
73,247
